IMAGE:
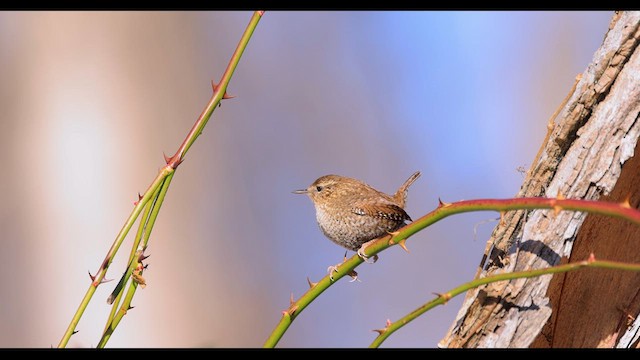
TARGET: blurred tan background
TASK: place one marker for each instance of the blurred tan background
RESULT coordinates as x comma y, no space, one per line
90,100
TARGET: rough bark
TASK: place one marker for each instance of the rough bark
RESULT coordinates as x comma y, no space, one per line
589,155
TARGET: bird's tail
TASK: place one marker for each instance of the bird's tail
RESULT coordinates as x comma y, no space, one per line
401,194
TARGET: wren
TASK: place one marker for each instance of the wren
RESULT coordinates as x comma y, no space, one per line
352,213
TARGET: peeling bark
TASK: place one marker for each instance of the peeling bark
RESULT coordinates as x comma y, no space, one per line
589,155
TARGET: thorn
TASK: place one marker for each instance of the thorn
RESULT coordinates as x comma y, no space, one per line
225,96
442,203
311,284
167,159
402,245
130,307
145,266
591,258
105,281
345,257
626,203
261,13
93,278
178,163
142,257
446,296
557,209
388,322
285,312
393,233
292,310
380,331
75,332
291,301
135,203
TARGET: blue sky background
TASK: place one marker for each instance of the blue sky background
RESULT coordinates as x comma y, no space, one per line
91,100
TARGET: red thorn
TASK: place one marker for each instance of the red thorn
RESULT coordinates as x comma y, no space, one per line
442,203
93,278
142,257
177,163
167,159
105,281
285,312
135,203
388,322
215,89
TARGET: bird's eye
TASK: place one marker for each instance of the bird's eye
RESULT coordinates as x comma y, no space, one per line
319,188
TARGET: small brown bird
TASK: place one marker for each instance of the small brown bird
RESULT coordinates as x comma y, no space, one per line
352,213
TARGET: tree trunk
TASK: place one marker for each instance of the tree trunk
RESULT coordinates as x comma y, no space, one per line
588,155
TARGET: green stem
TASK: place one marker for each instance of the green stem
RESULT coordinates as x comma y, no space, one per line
443,298
115,317
172,163
220,90
623,211
116,294
102,271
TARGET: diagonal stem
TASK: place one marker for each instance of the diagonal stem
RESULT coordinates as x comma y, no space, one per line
444,298
444,210
219,93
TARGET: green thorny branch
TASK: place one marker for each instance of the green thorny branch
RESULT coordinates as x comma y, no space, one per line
150,202
619,210
442,299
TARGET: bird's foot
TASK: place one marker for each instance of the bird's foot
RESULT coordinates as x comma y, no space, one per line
364,257
334,268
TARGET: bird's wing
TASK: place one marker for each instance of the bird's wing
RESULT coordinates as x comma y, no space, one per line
381,210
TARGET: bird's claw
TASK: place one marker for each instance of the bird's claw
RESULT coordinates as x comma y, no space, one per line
331,269
334,268
366,258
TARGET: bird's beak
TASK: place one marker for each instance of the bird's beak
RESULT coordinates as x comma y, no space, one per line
303,191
